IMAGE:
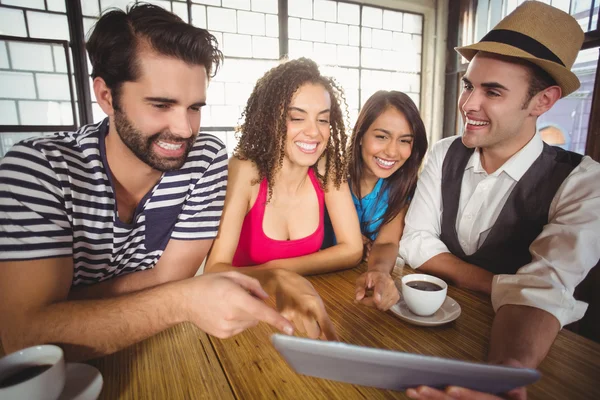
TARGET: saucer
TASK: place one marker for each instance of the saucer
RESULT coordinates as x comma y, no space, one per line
83,382
448,312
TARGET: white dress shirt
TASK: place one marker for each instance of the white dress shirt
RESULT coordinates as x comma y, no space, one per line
562,255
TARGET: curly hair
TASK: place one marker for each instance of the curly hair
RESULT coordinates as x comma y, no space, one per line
263,134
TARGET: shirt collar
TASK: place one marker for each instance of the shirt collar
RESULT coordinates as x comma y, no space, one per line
517,165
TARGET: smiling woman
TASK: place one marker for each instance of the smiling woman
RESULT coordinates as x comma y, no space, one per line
290,162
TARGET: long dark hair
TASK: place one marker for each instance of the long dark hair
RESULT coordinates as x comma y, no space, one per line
402,183
264,131
118,36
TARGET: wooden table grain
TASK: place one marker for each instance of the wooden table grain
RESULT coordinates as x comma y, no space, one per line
256,371
185,363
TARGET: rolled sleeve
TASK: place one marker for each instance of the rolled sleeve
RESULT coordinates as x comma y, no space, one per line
563,254
421,237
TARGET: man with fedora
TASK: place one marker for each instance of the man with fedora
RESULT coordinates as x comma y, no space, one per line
498,211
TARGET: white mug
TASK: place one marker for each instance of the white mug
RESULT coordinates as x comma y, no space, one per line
46,385
421,302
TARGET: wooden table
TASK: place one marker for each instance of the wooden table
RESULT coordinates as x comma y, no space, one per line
185,363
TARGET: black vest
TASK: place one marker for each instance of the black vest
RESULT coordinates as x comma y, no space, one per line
506,248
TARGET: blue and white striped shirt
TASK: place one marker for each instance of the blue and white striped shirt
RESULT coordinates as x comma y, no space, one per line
57,200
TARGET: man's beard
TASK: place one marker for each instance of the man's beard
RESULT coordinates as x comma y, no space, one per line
143,146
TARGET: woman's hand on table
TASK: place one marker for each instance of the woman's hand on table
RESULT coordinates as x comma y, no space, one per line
299,302
454,392
226,303
385,294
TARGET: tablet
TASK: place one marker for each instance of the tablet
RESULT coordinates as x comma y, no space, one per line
395,370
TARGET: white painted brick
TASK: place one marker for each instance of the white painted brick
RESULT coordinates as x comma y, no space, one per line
216,93
97,113
267,6
39,4
8,113
53,87
88,25
252,23
3,56
199,16
272,26
30,56
181,10
89,8
221,19
17,85
122,4
209,2
57,5
237,45
60,63
66,113
239,4
47,26
40,113
265,47
12,22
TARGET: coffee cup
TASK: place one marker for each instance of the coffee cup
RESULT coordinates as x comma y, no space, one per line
36,373
423,294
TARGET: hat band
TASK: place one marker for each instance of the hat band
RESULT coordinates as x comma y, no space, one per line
523,42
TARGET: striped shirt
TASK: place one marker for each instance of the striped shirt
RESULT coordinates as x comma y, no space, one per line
57,200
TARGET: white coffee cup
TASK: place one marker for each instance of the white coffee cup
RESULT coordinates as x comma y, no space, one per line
422,302
47,385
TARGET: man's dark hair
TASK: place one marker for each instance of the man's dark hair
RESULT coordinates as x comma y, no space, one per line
539,80
118,36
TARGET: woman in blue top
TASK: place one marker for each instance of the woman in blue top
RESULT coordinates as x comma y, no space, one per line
387,147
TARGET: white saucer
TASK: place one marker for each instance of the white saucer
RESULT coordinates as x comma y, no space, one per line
83,382
448,312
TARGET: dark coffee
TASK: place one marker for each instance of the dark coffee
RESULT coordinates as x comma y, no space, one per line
23,374
424,285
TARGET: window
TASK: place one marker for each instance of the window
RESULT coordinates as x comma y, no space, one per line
365,48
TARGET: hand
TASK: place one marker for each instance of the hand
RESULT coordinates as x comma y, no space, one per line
299,302
224,304
453,393
385,293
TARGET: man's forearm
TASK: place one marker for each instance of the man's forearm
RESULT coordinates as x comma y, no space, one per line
91,328
383,257
451,268
522,333
130,283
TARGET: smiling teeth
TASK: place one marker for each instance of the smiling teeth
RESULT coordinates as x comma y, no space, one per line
307,146
170,146
477,123
384,162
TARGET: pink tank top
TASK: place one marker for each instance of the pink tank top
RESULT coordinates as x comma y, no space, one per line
256,248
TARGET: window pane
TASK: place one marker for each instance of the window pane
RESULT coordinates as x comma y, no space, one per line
348,13
325,10
34,90
566,124
300,8
9,139
392,20
372,17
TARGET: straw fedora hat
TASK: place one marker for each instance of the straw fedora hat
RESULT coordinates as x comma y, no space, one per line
539,33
